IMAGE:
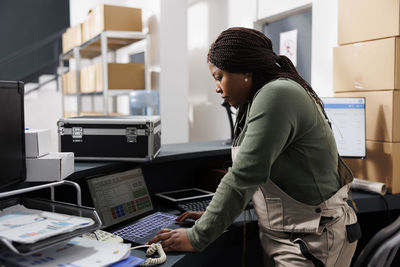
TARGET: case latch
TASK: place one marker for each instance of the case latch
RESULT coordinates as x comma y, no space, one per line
77,132
131,135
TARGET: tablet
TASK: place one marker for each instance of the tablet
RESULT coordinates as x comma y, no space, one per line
184,194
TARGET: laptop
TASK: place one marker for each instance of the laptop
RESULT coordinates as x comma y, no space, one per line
124,206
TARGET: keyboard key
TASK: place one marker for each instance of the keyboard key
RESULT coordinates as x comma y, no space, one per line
193,205
146,225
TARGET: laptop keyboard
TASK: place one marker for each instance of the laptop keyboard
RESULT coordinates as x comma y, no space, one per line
145,226
194,205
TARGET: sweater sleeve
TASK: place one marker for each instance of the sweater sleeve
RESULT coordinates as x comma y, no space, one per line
272,124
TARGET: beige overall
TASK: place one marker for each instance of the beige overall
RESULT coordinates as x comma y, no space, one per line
296,234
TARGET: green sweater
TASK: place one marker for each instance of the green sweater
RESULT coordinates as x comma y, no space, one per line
284,139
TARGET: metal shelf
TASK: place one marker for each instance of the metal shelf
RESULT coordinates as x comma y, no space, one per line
112,92
53,206
100,45
46,185
116,40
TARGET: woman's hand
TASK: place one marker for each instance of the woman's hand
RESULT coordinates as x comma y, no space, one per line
189,215
173,240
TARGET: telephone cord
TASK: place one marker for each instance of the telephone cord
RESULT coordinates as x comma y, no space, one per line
151,249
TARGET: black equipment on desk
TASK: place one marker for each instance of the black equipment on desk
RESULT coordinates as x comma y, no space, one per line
111,138
191,199
12,133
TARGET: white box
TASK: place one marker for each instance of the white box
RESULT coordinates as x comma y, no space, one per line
37,142
54,166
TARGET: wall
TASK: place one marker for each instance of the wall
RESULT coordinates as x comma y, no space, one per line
324,35
174,71
30,44
207,18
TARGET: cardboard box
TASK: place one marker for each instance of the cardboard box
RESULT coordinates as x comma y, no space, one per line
88,79
121,76
380,165
362,20
54,166
382,114
37,142
72,38
373,65
111,18
69,82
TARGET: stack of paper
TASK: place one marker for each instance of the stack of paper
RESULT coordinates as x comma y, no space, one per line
28,226
369,186
78,252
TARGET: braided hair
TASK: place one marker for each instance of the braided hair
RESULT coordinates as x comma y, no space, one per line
243,50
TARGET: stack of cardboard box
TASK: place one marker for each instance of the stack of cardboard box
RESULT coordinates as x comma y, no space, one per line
104,18
367,64
41,164
120,76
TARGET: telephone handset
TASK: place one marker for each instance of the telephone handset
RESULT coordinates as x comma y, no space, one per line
151,249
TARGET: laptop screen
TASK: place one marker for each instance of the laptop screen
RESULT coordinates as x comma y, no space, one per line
120,196
12,134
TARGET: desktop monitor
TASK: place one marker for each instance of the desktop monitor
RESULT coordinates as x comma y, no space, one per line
347,117
12,133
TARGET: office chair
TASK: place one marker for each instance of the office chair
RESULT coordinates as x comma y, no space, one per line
382,248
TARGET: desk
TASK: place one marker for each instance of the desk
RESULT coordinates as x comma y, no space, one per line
368,202
174,168
177,166
208,151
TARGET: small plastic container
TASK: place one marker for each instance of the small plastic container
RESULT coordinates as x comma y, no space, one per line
144,102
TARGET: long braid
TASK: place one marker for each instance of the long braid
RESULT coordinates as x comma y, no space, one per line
243,50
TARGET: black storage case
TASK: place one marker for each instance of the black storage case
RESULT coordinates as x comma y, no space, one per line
111,138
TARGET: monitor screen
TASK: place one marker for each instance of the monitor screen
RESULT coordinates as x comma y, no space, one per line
12,133
120,196
347,117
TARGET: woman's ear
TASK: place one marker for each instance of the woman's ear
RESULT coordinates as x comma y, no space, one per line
247,76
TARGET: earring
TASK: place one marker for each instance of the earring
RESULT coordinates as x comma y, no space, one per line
245,80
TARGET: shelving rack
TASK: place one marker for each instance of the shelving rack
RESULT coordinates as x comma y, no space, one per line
100,45
43,186
51,241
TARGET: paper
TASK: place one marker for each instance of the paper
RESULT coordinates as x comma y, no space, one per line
28,226
368,186
288,45
78,252
131,261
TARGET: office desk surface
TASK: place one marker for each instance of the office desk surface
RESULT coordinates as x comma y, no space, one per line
170,152
366,202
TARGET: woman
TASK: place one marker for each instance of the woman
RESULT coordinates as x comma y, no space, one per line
284,157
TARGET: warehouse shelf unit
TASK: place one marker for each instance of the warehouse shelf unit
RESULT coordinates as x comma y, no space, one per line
101,45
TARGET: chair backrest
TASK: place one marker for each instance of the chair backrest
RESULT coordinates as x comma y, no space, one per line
382,248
